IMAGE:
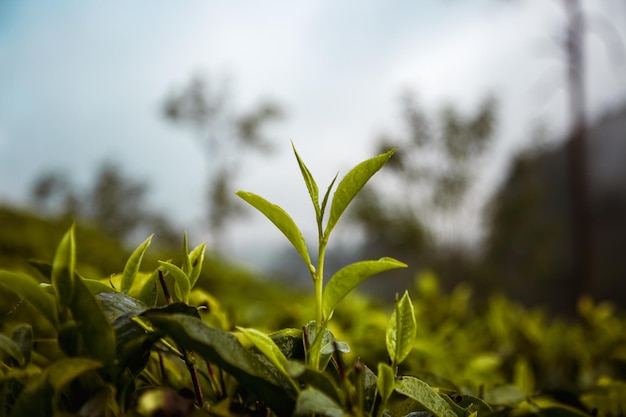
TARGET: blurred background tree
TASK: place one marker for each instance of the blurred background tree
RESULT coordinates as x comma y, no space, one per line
114,203
439,160
225,136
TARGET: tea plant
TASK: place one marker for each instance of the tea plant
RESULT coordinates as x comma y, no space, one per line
128,346
347,278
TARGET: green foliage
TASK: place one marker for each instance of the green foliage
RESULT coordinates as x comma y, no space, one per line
350,276
123,346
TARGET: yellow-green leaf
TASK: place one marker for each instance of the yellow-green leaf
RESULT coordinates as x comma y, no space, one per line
63,269
281,219
132,265
401,330
351,184
349,277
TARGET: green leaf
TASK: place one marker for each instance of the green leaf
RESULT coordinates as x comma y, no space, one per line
186,261
315,379
504,395
313,402
196,259
10,348
310,183
43,267
401,330
22,335
349,277
148,293
181,280
224,350
28,289
290,342
95,287
267,347
281,219
63,269
423,394
385,382
36,399
351,184
325,200
132,265
95,329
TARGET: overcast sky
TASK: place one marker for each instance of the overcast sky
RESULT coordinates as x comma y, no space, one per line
83,82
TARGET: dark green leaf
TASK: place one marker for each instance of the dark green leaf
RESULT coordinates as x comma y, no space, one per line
10,348
290,342
132,265
96,331
281,219
318,380
44,267
36,399
351,184
349,277
29,290
22,335
313,402
224,350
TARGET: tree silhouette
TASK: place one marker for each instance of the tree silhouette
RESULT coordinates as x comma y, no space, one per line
225,136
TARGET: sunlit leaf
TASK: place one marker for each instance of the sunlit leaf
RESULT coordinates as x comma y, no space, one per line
267,347
196,259
423,394
349,277
148,292
181,280
351,184
63,269
28,289
132,265
281,219
309,181
401,330
96,287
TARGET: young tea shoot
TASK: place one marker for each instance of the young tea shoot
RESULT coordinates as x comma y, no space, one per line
346,279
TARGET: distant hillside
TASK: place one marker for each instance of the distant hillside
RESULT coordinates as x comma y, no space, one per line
529,249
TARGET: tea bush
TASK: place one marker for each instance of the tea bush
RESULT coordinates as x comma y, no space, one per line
153,343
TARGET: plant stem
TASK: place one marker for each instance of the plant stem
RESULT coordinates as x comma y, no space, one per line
320,325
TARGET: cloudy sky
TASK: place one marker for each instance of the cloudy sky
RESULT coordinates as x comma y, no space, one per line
82,82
